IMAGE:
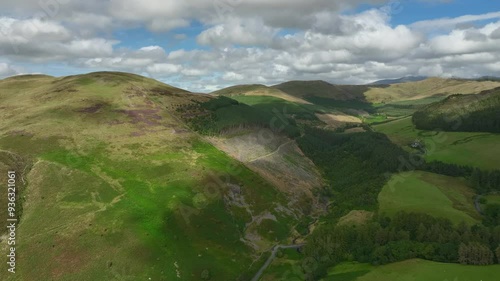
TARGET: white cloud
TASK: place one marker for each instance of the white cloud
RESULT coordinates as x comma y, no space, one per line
467,41
248,41
452,23
7,70
431,70
239,32
232,76
164,68
37,40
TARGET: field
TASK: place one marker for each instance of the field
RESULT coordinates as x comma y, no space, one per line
473,149
356,217
427,88
436,195
369,113
492,199
413,270
286,266
119,188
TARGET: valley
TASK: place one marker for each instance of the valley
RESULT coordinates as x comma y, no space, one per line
205,187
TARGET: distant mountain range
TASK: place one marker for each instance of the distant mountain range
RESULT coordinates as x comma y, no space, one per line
399,80
420,87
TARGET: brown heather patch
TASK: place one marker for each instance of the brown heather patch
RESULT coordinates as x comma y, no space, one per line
149,117
65,89
22,133
71,259
93,109
161,91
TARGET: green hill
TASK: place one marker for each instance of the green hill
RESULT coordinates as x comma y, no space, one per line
423,192
430,87
322,89
461,148
412,270
372,103
469,113
119,188
257,90
412,90
122,177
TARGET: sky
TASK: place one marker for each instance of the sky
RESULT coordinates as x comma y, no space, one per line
205,45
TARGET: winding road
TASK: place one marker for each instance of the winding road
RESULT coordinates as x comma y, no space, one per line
272,257
477,204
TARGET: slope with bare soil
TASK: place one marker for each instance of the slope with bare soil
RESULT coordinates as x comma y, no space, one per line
279,160
258,90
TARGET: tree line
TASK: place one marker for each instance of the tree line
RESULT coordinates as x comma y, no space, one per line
404,236
222,114
466,113
357,166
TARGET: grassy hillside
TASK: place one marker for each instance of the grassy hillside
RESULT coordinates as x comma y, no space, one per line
322,89
257,90
399,80
118,188
221,115
386,93
471,113
436,195
371,103
412,270
462,148
427,88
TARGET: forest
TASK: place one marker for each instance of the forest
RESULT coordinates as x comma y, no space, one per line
405,236
222,114
465,113
369,159
357,166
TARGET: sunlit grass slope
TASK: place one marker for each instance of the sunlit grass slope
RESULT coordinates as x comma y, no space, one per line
119,189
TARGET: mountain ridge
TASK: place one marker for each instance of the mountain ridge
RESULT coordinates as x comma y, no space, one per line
306,89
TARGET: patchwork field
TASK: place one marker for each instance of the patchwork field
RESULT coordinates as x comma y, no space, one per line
462,148
436,195
413,270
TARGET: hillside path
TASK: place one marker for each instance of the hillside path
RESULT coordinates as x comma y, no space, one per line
272,153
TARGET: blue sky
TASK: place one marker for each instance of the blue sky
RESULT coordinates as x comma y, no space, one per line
193,45
414,10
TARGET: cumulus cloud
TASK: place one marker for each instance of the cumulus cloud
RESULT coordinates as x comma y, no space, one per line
247,41
34,39
239,32
7,70
452,23
164,68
